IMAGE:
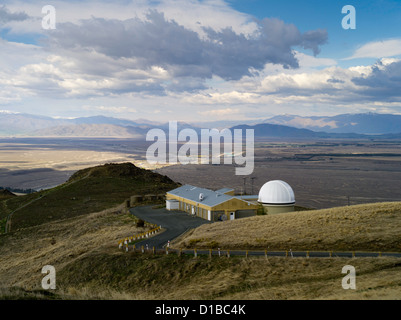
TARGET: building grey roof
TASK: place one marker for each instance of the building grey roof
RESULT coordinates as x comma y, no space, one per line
224,190
247,197
210,198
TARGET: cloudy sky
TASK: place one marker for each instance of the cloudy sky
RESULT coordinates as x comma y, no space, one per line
195,60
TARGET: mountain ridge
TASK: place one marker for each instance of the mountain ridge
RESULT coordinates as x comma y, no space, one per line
358,125
361,123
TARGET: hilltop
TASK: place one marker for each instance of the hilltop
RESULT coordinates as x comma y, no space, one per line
120,171
5,194
86,191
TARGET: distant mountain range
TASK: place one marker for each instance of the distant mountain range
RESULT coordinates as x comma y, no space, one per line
366,125
362,123
22,124
266,130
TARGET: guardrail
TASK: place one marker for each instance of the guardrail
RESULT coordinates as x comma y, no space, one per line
126,241
258,253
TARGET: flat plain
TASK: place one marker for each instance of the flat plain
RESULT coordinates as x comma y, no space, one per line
323,173
83,248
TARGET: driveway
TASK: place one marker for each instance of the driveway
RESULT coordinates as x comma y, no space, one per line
175,223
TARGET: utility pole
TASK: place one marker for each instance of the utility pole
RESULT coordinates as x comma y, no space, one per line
252,178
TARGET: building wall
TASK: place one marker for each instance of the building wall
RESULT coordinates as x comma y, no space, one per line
201,210
234,205
269,209
244,213
172,205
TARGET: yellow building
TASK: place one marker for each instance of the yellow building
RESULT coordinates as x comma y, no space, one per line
211,205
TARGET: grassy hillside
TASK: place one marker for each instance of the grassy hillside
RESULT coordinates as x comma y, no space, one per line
68,227
24,252
6,194
137,276
83,249
88,190
370,227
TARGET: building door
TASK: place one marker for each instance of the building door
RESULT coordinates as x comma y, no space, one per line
232,215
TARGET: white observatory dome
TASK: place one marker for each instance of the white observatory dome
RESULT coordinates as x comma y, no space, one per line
276,192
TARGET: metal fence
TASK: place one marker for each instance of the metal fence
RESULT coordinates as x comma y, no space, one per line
259,253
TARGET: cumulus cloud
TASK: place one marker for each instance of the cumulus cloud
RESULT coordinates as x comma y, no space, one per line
378,49
110,109
156,41
7,16
384,81
360,86
219,112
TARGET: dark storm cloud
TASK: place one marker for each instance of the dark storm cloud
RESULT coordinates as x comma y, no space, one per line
7,16
383,83
182,52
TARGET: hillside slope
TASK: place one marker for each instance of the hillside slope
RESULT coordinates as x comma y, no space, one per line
5,194
369,227
83,249
90,266
88,190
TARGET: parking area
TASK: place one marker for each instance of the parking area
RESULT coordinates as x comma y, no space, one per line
175,223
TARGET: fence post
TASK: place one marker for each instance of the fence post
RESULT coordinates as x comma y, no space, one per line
266,254
228,253
210,253
195,253
353,254
246,254
331,254
307,254
143,250
286,253
166,250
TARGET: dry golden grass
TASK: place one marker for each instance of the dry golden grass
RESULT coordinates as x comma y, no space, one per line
89,265
25,252
370,227
146,277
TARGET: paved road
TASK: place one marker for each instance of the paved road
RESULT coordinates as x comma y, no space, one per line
175,223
